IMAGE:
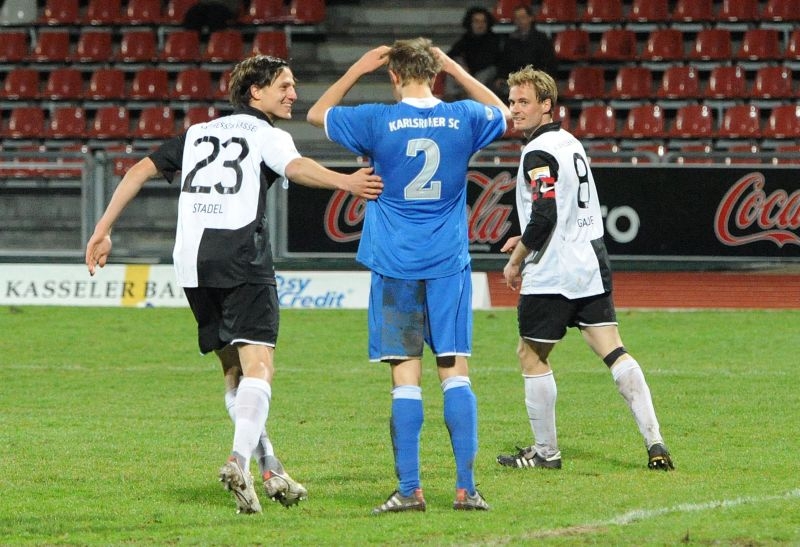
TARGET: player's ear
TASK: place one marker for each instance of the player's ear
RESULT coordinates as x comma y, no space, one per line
395,79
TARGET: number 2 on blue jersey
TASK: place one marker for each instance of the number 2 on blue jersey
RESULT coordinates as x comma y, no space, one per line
422,187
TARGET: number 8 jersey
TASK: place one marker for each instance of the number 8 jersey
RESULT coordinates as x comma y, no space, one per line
227,165
560,217
417,228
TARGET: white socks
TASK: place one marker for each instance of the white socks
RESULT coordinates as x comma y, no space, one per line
632,386
251,408
540,400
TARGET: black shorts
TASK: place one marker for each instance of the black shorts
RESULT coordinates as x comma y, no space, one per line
545,317
247,314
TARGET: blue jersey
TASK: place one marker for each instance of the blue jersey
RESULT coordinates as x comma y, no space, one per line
417,228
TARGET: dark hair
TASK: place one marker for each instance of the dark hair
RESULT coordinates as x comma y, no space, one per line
466,22
258,70
528,9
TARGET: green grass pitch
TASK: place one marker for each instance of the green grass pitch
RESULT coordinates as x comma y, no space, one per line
113,427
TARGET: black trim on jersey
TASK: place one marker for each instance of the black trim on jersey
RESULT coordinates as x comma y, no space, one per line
169,156
544,213
253,112
604,263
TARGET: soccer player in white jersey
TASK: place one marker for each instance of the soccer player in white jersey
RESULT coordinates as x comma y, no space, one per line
222,250
415,242
562,266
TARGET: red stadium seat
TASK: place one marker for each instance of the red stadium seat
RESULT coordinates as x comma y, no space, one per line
679,82
563,115
14,47
649,11
106,84
181,46
199,114
695,153
51,46
632,82
61,12
760,44
787,154
740,121
783,122
111,122
665,44
142,12
585,82
93,46
64,84
271,42
176,10
103,12
262,12
150,84
734,11
693,121
221,90
138,46
572,44
616,44
792,52
644,121
602,11
224,46
596,121
192,84
307,12
26,122
711,44
773,82
21,84
726,82
156,122
68,122
781,10
558,11
693,11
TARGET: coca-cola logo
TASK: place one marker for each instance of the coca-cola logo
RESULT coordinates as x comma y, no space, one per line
487,218
747,214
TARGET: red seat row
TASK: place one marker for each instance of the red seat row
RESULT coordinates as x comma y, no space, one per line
139,45
692,121
654,11
147,84
138,12
680,82
667,44
108,122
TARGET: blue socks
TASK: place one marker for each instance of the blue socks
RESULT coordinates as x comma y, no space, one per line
405,427
461,418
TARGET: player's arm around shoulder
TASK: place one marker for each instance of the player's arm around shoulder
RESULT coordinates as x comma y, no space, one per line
362,183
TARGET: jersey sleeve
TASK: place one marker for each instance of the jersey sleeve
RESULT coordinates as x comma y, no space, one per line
541,172
350,126
277,150
169,156
489,124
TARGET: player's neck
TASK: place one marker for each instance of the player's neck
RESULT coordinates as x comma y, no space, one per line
416,91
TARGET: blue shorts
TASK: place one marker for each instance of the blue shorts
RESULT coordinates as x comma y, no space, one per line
404,314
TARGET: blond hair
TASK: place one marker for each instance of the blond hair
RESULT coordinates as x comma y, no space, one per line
540,81
414,60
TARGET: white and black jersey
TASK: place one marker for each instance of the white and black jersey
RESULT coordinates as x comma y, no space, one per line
560,218
227,165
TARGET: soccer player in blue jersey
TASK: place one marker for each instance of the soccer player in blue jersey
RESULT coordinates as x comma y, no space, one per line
415,242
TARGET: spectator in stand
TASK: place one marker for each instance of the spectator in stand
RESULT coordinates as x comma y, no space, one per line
526,45
477,50
212,15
